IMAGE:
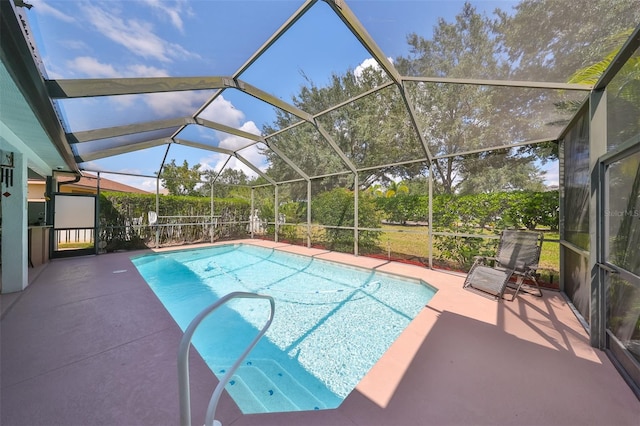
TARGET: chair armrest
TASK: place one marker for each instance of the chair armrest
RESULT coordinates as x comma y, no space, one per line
520,266
483,260
484,257
527,270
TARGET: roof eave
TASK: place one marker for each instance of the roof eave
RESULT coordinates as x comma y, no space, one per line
16,55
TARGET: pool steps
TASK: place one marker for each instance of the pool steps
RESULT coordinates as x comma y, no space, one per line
183,358
272,388
263,394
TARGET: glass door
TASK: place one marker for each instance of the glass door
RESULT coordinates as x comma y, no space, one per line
621,192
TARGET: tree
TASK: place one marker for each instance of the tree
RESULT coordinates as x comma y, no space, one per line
591,73
181,180
568,37
457,117
335,209
231,183
372,131
624,100
395,189
452,118
375,191
500,170
418,185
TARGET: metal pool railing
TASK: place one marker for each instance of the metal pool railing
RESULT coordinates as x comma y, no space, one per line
183,359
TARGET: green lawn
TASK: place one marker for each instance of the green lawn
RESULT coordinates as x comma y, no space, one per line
413,241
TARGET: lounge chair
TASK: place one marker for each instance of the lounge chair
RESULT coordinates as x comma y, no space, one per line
517,256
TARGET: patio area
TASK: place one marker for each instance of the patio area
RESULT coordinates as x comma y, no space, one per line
88,343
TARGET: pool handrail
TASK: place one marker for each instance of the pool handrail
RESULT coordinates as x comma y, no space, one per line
183,359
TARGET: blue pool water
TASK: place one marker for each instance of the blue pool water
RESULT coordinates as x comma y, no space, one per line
332,322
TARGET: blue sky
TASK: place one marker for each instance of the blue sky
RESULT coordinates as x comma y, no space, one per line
153,38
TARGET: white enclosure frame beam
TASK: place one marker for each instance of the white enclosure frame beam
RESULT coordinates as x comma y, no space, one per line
112,132
122,149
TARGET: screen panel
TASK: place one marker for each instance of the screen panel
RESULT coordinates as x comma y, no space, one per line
576,184
74,211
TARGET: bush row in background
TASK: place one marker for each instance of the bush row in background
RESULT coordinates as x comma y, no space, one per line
486,211
333,209
473,214
336,208
498,210
124,220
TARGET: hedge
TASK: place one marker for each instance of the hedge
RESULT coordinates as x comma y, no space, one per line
124,219
520,209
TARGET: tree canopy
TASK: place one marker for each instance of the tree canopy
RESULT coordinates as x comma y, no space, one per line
181,180
468,128
228,183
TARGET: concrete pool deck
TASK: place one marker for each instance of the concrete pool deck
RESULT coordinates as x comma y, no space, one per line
88,343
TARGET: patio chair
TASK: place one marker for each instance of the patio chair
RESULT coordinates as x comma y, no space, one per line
517,256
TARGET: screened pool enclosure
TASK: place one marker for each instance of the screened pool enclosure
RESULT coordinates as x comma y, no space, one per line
408,130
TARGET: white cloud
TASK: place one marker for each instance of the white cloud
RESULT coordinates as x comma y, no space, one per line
134,34
234,142
222,111
367,63
163,104
173,11
93,68
250,127
226,140
146,184
204,134
54,73
205,164
44,8
233,163
175,104
139,70
236,164
215,161
253,155
149,184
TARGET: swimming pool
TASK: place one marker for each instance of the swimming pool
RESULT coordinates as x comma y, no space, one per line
332,322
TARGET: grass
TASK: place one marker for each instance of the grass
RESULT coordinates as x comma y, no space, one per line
67,246
409,241
406,239
413,241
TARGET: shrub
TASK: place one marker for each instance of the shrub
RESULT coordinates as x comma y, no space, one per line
124,222
336,208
